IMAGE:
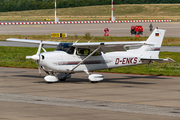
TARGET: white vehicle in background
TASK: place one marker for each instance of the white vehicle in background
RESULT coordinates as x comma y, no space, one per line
69,58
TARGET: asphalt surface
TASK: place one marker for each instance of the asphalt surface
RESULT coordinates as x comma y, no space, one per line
116,29
25,95
170,49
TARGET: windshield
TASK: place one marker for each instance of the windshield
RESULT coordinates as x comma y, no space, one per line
66,47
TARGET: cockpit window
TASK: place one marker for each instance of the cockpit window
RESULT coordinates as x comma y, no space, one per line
66,47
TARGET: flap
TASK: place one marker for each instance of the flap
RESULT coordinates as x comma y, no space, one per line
108,46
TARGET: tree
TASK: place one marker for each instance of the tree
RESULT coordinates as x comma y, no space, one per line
19,5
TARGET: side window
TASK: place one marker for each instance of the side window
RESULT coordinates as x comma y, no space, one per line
83,51
86,52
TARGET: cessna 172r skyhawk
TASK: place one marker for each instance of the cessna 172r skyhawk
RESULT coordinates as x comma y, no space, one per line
69,58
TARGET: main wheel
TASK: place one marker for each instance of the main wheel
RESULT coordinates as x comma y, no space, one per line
49,82
94,81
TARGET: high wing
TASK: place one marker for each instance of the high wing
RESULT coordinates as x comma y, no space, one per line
109,46
33,41
105,46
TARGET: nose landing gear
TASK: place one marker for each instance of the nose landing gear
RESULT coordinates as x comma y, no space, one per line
52,77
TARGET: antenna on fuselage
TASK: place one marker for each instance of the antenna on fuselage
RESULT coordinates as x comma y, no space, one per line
78,39
90,40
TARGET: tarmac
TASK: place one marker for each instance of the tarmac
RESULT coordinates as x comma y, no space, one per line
24,95
115,29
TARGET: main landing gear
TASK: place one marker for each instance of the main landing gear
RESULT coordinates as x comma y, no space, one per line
94,78
52,77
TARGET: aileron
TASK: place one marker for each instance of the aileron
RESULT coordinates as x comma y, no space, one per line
33,41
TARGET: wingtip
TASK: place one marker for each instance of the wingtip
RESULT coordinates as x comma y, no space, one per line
171,60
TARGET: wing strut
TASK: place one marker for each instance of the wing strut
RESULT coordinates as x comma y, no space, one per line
86,57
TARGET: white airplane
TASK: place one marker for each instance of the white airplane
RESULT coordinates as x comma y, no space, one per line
69,58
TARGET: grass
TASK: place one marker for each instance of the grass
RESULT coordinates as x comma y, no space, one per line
102,12
14,57
168,41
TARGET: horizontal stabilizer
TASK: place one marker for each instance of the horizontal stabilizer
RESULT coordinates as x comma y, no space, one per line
167,60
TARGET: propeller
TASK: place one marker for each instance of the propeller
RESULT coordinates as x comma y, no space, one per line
39,68
36,57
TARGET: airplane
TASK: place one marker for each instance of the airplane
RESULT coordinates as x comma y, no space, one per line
70,58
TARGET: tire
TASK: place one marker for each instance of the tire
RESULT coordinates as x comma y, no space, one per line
94,81
49,82
132,32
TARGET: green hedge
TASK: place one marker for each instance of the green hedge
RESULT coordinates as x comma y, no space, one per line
20,5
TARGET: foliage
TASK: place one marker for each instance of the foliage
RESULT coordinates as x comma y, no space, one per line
20,5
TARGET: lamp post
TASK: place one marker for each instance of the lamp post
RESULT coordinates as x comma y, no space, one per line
112,11
55,10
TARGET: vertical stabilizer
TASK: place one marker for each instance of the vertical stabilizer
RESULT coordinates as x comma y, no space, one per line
156,37
153,44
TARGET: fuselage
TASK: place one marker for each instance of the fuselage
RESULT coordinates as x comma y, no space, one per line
60,61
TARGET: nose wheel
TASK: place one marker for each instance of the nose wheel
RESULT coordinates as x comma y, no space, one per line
63,76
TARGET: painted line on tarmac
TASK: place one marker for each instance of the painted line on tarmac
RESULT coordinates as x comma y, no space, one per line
30,26
81,22
92,104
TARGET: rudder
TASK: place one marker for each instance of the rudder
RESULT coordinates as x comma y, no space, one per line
156,37
152,46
